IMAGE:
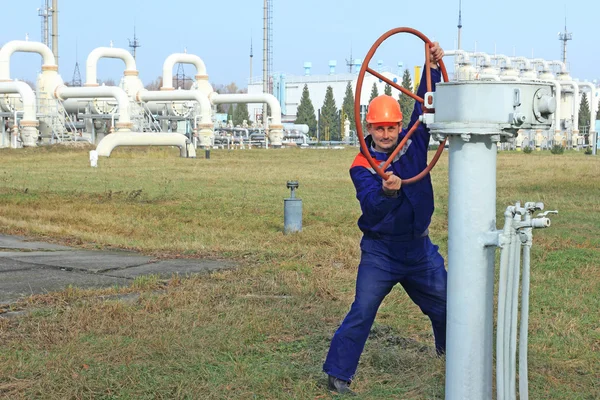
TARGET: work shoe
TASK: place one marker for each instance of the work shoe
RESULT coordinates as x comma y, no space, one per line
340,386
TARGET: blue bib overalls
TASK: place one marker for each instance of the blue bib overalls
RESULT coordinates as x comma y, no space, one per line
395,249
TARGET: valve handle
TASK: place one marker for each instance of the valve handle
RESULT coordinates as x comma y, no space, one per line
359,83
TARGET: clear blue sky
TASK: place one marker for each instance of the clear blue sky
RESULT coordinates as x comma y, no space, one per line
308,30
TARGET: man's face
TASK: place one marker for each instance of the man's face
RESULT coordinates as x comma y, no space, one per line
385,136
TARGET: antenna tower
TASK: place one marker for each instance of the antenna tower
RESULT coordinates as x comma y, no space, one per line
76,81
44,13
350,62
134,44
251,55
459,21
565,37
270,44
180,77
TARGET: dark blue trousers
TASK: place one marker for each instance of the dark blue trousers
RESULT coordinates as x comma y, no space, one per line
418,267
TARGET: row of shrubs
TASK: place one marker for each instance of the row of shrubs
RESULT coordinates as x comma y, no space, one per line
556,149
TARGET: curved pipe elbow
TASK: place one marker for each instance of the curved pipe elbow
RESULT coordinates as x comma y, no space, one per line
63,93
522,60
217,98
185,59
563,67
27,96
487,61
195,95
110,142
22,46
106,52
504,58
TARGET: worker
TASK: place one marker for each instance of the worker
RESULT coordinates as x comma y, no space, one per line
395,247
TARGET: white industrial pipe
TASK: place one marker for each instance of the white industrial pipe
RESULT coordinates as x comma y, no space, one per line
108,52
557,94
275,127
576,101
507,240
11,47
502,57
487,60
29,123
524,325
540,61
109,142
593,103
563,67
184,58
27,96
124,123
205,126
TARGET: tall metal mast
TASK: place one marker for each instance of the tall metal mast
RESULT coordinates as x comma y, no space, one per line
459,21
565,37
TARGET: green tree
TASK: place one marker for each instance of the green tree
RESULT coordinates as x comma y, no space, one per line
348,105
329,124
305,113
406,102
598,112
584,111
374,92
240,114
388,89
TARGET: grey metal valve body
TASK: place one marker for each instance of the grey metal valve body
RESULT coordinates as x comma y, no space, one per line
475,116
292,210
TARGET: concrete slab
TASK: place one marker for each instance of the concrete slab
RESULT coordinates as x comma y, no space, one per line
168,268
18,284
34,267
6,264
19,242
84,260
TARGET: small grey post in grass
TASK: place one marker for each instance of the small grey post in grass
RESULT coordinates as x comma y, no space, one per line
292,210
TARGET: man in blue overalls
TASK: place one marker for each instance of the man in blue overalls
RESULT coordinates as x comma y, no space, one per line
395,247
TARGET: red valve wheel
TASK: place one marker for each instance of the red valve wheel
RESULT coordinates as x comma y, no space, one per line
359,83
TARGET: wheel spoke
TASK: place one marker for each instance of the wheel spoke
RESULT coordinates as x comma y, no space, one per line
359,83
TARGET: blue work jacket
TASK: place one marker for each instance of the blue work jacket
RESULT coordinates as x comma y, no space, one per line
407,215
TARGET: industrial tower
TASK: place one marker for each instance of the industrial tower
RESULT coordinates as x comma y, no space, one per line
459,21
76,81
565,37
47,12
134,44
268,47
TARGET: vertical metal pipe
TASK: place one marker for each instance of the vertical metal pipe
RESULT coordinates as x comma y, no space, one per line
55,29
472,205
523,384
502,295
265,52
513,312
508,327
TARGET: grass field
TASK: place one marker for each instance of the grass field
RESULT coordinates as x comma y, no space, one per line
262,331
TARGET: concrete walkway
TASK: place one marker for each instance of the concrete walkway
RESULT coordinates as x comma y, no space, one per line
28,267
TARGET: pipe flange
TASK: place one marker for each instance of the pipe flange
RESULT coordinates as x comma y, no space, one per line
131,72
49,67
123,125
201,77
544,105
33,124
167,88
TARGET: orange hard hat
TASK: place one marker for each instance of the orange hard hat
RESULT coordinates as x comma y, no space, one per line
384,109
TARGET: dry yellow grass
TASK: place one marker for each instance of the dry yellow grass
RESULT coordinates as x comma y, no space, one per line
262,330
